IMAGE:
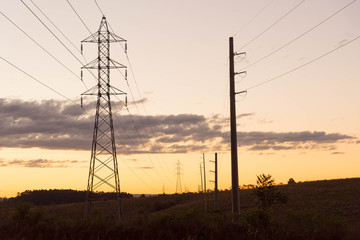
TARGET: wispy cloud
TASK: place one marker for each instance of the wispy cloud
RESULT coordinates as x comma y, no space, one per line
336,153
259,141
39,163
342,42
131,159
146,168
140,101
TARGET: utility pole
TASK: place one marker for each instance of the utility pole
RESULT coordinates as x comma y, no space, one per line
103,171
205,202
234,157
201,178
215,181
178,178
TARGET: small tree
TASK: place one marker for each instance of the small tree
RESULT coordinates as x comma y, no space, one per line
291,181
266,192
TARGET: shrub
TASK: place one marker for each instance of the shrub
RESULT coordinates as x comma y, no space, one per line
291,181
266,192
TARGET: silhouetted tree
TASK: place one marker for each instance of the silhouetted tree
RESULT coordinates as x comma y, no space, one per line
57,196
291,181
266,192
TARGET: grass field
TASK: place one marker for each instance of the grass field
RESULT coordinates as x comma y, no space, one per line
315,210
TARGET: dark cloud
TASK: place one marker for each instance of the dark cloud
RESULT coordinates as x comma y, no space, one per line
38,163
47,124
54,124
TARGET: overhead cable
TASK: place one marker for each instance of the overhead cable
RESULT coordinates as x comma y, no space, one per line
78,16
62,33
63,96
301,35
252,19
305,64
132,95
32,39
272,25
52,33
37,80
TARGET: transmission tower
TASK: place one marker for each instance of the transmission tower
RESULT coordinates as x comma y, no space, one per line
103,171
178,178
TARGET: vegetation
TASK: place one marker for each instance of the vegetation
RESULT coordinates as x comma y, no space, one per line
57,196
266,192
291,181
315,210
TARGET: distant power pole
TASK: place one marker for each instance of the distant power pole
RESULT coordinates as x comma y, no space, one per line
178,178
216,182
234,157
201,179
103,171
205,202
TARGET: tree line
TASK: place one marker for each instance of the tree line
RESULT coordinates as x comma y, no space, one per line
60,196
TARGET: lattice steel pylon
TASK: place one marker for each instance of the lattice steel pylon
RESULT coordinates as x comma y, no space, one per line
178,178
103,171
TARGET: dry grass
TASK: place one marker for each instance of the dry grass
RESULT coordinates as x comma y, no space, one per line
335,200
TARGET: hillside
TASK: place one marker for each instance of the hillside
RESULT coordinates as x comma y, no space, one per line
315,210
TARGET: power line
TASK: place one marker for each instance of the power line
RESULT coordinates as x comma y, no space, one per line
146,114
68,99
132,95
127,150
52,33
142,142
127,83
301,35
142,122
99,8
272,25
39,45
78,16
47,86
55,26
142,103
59,41
136,175
303,65
32,39
252,19
124,145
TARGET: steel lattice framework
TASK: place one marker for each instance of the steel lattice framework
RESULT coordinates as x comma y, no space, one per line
103,169
178,178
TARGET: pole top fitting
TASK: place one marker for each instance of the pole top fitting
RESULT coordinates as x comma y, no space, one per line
241,53
238,73
241,92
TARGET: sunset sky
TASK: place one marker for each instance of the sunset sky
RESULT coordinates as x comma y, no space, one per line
300,117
